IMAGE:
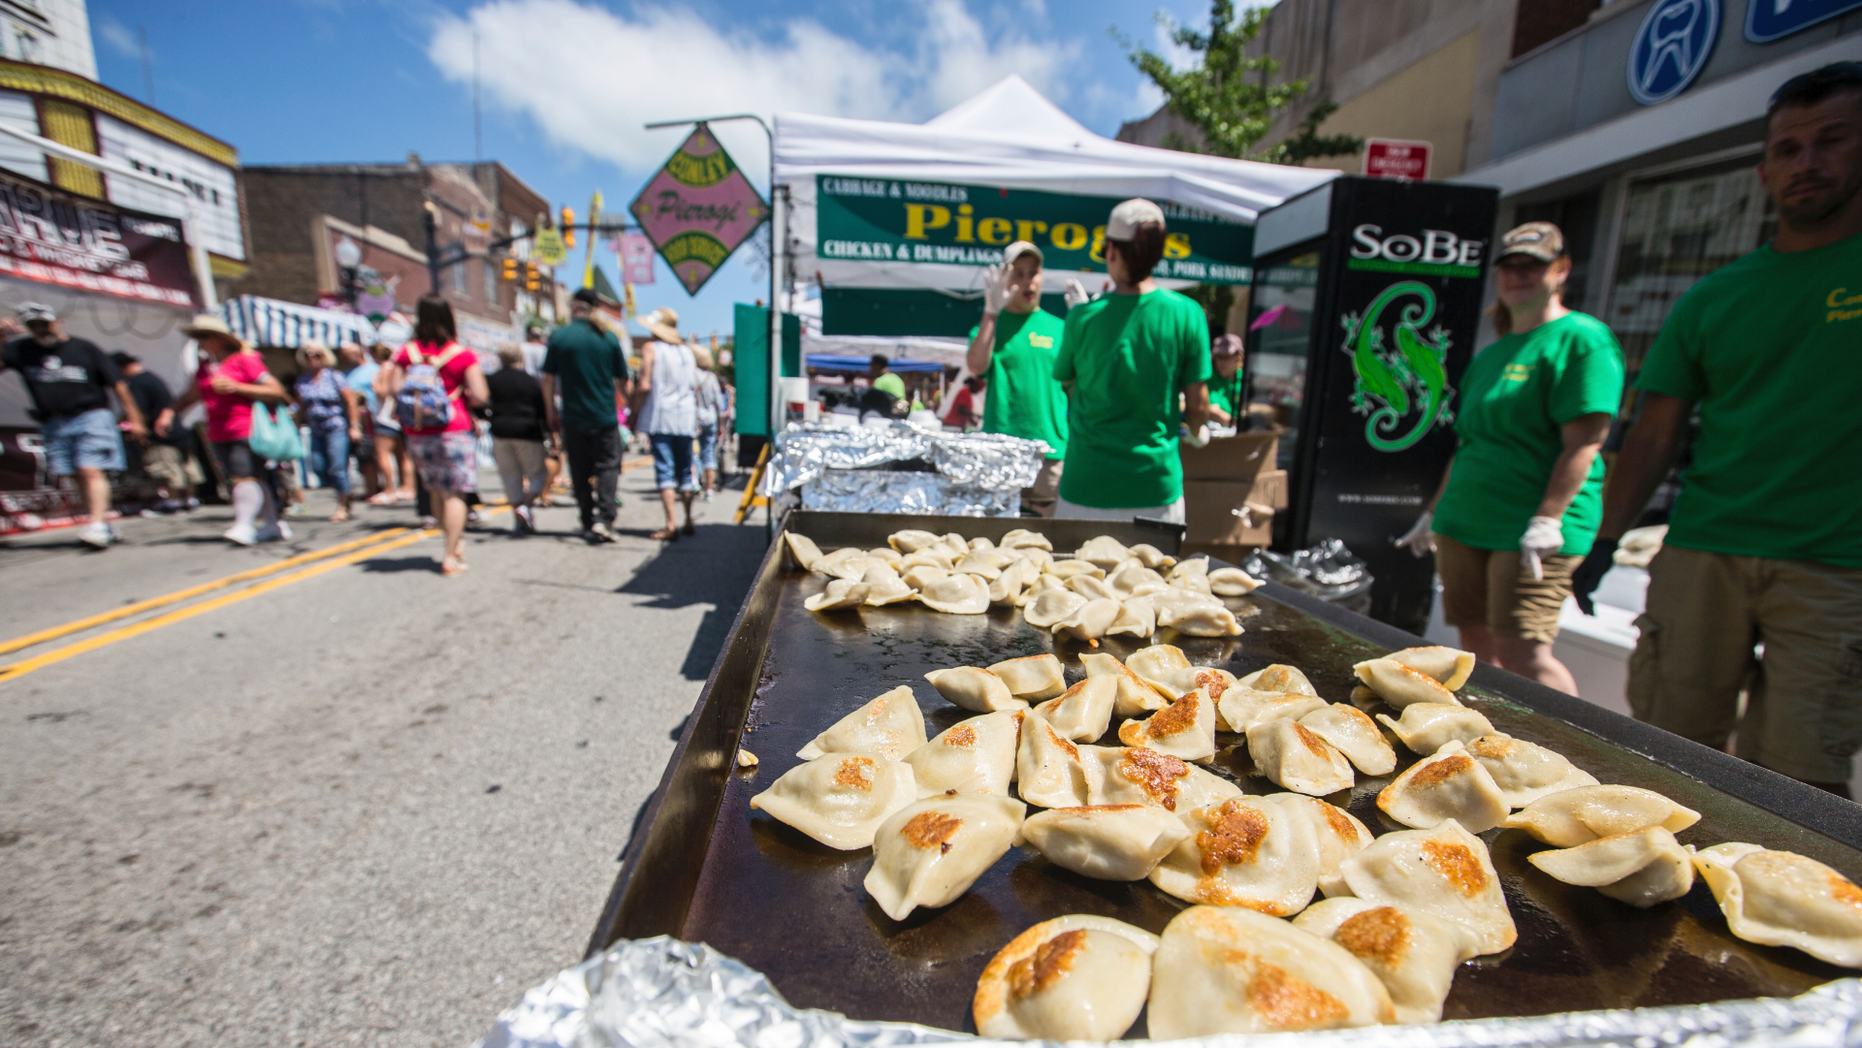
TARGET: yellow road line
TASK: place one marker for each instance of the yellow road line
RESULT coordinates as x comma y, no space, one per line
192,591
25,666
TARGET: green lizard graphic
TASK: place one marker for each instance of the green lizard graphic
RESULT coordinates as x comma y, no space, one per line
1388,382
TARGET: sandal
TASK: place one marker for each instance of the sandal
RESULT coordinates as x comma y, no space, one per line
689,529
339,516
665,535
382,498
450,567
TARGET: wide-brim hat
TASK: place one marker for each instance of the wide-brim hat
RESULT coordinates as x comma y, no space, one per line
663,323
206,325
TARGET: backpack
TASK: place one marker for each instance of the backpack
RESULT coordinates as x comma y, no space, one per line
423,403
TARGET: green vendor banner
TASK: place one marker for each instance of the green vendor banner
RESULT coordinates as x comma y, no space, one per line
886,220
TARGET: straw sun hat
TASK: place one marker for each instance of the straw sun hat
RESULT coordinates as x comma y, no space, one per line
664,324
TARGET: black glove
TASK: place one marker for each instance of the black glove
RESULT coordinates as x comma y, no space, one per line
1588,574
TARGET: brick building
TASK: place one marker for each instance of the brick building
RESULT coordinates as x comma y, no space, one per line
301,214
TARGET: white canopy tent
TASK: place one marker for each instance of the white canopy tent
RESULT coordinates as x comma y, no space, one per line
1012,137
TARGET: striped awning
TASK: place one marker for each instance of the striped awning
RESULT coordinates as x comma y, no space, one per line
288,325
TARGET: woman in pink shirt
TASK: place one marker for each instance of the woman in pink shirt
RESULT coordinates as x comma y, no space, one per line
446,455
230,380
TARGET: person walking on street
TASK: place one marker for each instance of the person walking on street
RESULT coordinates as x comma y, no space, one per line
666,410
962,414
435,383
586,366
1520,499
359,374
1126,358
1013,352
710,403
164,458
228,382
331,410
517,435
70,381
391,455
1764,544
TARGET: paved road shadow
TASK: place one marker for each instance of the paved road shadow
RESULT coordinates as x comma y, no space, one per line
715,567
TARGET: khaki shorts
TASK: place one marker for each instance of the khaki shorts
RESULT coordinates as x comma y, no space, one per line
1495,589
1707,612
167,467
1041,496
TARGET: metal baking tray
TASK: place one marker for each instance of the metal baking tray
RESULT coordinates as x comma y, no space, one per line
705,868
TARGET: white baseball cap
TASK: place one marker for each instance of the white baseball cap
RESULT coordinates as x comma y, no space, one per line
1020,248
1129,215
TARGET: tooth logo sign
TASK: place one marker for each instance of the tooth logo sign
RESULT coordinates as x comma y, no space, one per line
1672,47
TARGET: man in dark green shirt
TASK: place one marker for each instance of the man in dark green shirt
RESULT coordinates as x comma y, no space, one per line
1765,541
1014,349
587,369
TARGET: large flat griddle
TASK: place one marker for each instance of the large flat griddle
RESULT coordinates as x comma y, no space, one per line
705,868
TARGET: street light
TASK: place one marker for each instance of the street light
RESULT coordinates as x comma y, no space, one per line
348,261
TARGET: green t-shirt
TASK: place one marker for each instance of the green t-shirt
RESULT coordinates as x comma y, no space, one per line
586,361
1514,397
891,383
1023,399
1228,394
1770,347
1128,356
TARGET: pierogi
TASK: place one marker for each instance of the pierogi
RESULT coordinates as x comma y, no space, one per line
1074,978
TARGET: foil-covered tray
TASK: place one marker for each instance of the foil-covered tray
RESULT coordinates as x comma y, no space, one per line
979,461
706,869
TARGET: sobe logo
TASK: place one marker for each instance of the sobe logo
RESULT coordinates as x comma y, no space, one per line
1409,378
1435,247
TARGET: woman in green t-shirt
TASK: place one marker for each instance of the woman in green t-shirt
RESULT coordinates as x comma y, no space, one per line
1228,394
1520,500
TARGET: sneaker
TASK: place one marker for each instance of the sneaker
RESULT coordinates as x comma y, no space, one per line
429,523
707,494
241,535
523,521
473,516
297,510
277,531
602,532
96,534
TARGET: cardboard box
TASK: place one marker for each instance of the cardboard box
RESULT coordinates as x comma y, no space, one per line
1238,457
1220,512
1270,488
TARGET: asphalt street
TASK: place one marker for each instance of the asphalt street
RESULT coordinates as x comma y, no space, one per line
366,806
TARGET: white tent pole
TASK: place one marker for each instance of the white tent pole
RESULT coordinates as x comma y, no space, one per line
190,221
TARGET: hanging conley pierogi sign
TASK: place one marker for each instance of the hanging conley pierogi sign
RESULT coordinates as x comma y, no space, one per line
887,220
698,209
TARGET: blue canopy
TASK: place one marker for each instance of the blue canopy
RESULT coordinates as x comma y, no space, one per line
828,362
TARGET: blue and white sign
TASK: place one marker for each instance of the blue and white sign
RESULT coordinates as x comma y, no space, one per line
1672,47
1768,20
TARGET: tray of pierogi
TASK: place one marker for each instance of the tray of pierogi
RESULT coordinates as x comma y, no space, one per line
1049,780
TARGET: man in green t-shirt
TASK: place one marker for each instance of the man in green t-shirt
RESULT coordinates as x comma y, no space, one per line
880,377
1764,544
1228,393
1125,358
587,368
1014,349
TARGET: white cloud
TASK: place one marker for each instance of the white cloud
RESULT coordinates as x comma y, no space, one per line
119,37
590,78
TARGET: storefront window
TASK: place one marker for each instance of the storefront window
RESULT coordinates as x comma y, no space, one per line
1676,230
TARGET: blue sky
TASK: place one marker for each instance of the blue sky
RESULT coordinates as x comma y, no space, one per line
567,84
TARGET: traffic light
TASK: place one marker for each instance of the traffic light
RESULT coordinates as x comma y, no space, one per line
568,227
510,271
530,276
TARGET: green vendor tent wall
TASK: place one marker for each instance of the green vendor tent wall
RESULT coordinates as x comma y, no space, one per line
905,311
750,357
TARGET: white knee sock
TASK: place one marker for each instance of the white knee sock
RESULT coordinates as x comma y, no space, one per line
248,501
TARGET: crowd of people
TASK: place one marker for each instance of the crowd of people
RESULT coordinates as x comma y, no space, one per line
406,420
1757,361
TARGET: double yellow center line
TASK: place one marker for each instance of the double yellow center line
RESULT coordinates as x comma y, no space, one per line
318,561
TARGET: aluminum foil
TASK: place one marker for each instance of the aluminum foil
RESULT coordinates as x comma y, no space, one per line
897,491
989,461
662,993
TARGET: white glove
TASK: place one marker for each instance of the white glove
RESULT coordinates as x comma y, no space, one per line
1199,438
1420,538
1544,536
995,288
1076,294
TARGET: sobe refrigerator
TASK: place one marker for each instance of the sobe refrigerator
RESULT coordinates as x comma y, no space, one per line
1366,302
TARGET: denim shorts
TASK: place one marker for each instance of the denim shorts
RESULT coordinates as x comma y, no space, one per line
85,441
672,461
707,445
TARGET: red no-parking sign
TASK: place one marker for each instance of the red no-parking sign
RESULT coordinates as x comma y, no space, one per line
1396,158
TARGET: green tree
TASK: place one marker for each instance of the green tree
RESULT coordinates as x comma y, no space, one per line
1228,96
